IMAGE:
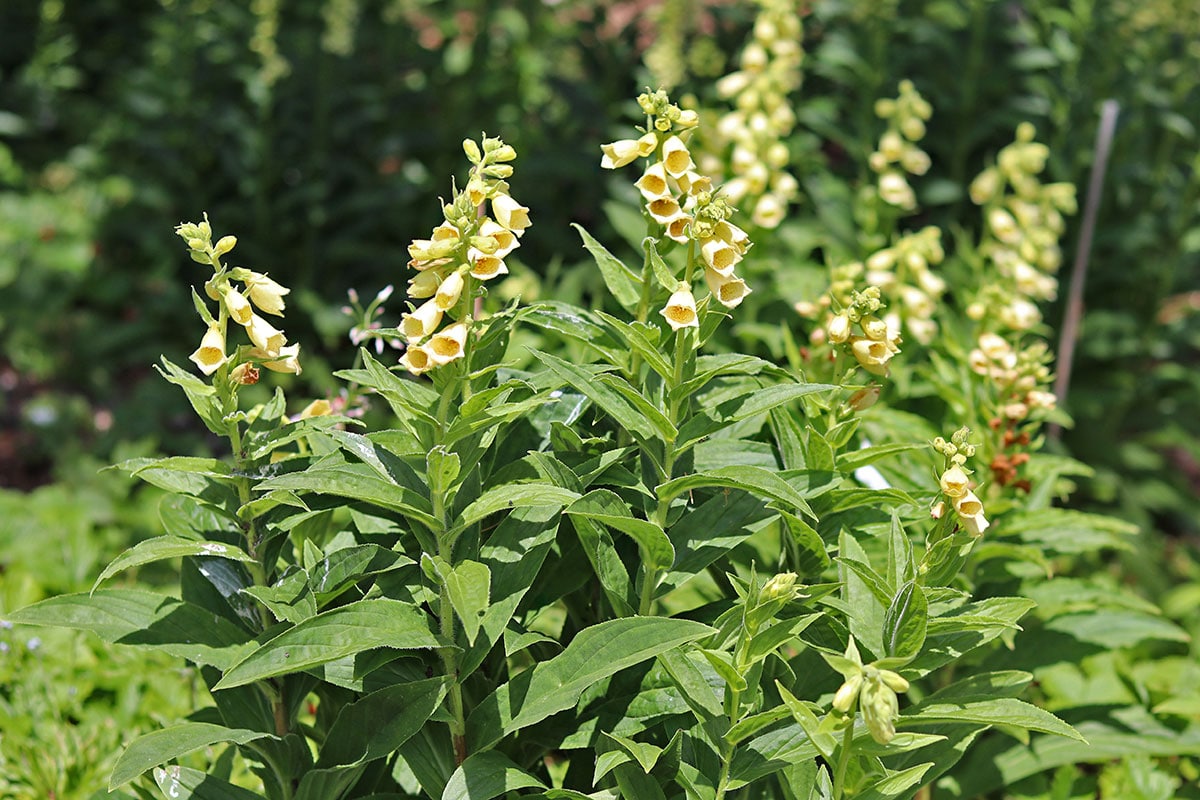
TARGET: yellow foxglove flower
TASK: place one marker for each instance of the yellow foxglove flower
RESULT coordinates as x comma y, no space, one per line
968,505
506,242
265,336
424,284
675,157
653,183
871,355
210,355
619,153
664,209
287,359
976,525
266,294
422,322
447,345
839,329
720,256
511,215
894,190
769,211
239,307
317,408
680,310
416,360
449,292
485,267
955,482
677,228
729,290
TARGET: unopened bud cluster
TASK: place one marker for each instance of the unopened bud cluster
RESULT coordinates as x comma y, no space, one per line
903,272
749,143
1019,378
467,249
1023,221
869,689
956,484
257,292
863,333
898,155
682,201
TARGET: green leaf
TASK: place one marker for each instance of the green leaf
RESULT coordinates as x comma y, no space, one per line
162,547
756,480
636,338
335,634
157,748
848,462
380,722
897,784
609,400
666,431
182,783
138,617
469,584
758,400
556,685
691,682
665,276
486,775
357,482
521,495
810,554
1007,711
201,395
607,507
905,622
756,723
623,282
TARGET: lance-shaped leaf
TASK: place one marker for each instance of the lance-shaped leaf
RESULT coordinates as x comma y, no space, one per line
201,395
584,380
138,617
556,685
754,401
157,748
503,498
635,337
1008,711
623,282
607,507
905,622
756,480
486,775
163,547
357,482
183,783
376,725
335,634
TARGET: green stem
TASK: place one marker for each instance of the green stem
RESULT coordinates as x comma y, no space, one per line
839,774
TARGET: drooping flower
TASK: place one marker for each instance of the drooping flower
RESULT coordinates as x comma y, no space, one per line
210,355
680,310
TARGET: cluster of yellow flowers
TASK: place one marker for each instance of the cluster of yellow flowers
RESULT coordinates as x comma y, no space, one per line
875,341
269,347
956,482
872,689
898,155
903,273
751,138
1024,221
468,247
683,202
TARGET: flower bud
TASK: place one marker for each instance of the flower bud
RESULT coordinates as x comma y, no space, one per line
839,329
472,151
224,245
847,693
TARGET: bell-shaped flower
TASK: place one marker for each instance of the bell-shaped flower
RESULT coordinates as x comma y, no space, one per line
238,306
506,242
769,211
286,359
954,482
663,209
449,292
447,345
210,355
511,215
653,183
720,256
676,159
317,408
677,227
416,360
625,151
680,310
871,355
424,284
485,267
266,293
422,322
838,329
729,290
265,336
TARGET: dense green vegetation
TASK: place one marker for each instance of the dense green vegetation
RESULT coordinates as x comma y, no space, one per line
321,132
